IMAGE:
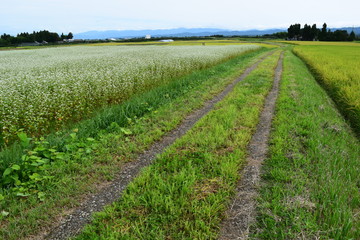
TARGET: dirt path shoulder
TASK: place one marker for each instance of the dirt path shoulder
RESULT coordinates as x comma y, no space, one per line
74,222
241,212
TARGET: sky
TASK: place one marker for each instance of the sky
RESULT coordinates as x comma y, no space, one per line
78,16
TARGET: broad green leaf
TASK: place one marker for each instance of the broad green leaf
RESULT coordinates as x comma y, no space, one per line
34,157
40,161
126,131
17,182
15,167
41,196
35,175
1,197
19,194
40,149
7,172
60,156
25,141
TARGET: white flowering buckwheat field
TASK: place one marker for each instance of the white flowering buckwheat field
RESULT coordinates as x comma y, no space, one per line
44,88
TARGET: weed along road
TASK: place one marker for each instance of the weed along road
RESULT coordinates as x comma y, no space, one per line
74,222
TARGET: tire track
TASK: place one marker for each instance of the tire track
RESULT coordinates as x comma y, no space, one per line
72,224
241,213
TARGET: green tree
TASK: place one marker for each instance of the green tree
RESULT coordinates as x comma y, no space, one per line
4,43
323,33
340,35
306,33
297,30
351,36
291,33
281,35
294,31
314,32
5,36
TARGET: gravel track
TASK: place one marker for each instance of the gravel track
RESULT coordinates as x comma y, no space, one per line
241,213
73,223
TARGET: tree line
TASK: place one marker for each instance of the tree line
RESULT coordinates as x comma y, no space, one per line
40,36
312,33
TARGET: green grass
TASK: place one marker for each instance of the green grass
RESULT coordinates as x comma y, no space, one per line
311,179
145,118
184,193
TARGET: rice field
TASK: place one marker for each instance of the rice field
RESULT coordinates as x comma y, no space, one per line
338,68
318,43
44,89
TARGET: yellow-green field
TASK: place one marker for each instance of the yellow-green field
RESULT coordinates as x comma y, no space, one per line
317,43
337,67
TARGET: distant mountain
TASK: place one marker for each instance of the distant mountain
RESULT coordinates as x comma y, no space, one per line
178,32
224,33
185,32
348,29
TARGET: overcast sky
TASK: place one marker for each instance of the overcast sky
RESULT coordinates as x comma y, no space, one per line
84,15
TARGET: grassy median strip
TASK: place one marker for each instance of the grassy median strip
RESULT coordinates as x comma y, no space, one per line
185,192
311,179
131,128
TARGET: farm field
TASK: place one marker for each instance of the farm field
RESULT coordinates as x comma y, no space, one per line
219,42
44,89
337,68
190,43
120,133
319,43
160,136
